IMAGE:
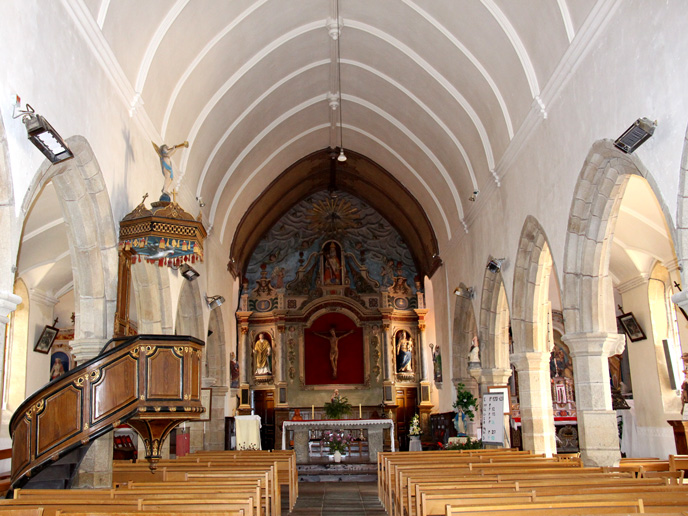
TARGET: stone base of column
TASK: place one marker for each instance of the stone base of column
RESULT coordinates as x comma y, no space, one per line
599,447
96,468
86,349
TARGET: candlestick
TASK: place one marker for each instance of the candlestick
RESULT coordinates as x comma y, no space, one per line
360,414
312,411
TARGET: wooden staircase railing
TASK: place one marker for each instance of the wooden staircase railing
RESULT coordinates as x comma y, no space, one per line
153,382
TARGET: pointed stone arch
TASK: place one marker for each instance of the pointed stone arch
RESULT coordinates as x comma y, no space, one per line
589,309
189,320
85,203
465,328
216,351
530,325
494,322
151,288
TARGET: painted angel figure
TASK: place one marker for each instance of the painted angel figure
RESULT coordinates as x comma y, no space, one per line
165,153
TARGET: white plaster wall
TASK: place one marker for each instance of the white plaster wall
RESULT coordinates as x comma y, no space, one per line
609,90
37,364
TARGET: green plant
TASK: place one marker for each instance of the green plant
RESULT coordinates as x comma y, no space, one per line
465,401
337,407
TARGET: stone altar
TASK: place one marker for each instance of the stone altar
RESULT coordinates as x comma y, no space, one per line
301,429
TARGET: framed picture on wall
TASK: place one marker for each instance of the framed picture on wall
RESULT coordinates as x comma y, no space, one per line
631,327
46,339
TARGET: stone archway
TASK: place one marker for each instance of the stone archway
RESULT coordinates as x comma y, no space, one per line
8,300
494,331
214,436
189,319
85,204
151,287
530,321
465,328
588,296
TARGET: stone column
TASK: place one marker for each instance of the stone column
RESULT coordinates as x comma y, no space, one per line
597,431
95,469
535,397
8,304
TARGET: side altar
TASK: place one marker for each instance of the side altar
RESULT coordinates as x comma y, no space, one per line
303,431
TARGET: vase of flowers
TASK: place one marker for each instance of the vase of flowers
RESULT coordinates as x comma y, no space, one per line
337,407
337,441
414,428
464,405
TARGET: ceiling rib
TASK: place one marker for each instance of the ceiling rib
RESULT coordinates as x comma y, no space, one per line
474,61
197,60
516,42
155,43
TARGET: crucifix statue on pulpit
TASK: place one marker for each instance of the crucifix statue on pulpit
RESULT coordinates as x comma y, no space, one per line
333,337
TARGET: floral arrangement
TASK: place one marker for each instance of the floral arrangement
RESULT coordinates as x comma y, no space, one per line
414,428
337,407
337,440
465,401
470,444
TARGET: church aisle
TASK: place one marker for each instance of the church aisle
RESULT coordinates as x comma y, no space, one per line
340,498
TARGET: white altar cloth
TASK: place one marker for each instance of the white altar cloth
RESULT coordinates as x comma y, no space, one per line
247,429
336,424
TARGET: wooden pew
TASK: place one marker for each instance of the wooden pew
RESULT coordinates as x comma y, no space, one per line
562,508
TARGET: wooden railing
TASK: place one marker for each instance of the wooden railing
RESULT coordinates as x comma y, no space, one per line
153,382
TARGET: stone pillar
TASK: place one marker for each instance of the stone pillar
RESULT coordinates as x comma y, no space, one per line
8,304
535,397
86,349
386,353
96,468
214,438
598,434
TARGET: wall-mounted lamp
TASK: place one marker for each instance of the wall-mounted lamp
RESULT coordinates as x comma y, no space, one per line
636,135
200,201
42,134
465,292
214,302
474,195
189,272
495,265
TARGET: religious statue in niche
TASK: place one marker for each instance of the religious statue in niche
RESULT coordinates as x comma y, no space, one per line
332,264
233,371
262,351
165,153
404,352
436,362
474,353
333,338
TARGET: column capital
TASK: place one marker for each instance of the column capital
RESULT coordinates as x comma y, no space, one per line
495,376
86,349
594,343
681,299
8,304
530,360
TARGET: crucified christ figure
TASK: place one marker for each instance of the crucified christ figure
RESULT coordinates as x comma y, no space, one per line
333,337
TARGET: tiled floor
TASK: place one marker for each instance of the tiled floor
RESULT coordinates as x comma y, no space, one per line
336,498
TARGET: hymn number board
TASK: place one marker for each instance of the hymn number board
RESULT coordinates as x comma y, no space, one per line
493,418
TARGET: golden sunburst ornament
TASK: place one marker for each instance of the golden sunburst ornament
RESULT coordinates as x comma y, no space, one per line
333,215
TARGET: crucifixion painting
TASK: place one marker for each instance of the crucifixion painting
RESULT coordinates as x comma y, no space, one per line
333,337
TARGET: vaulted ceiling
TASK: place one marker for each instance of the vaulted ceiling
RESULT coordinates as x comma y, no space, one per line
432,91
